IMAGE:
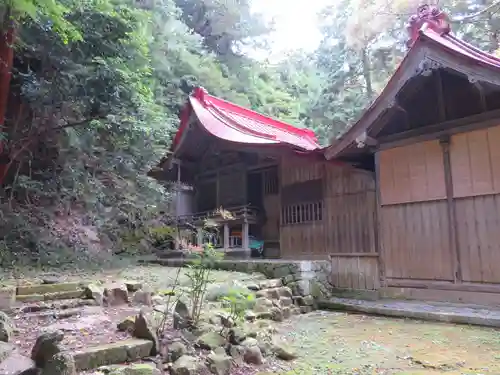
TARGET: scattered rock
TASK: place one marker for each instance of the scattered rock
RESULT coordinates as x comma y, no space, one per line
295,310
273,293
46,346
5,350
285,292
276,314
211,340
204,327
126,325
7,298
261,294
308,300
284,352
6,327
133,285
250,341
219,364
286,312
237,335
250,315
116,294
17,364
48,280
253,287
95,292
143,330
119,352
186,365
305,309
157,300
182,317
143,297
60,364
262,305
135,369
271,283
176,350
286,301
236,352
253,355
265,315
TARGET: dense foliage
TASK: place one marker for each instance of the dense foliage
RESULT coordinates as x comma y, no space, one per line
97,86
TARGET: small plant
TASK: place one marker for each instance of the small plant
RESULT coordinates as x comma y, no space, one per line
237,303
199,278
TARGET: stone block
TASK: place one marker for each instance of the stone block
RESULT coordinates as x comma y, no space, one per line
110,354
71,294
48,288
7,298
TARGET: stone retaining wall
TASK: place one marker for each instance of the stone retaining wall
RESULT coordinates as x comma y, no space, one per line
302,276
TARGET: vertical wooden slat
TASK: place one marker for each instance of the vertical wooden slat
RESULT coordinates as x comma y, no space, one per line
452,225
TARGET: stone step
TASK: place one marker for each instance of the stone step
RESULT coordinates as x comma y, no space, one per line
111,354
70,294
56,305
49,288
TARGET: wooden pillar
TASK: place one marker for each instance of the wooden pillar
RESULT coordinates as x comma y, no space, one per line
378,227
244,236
177,205
452,229
226,237
199,237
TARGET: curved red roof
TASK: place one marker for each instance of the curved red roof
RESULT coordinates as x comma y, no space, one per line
429,28
233,123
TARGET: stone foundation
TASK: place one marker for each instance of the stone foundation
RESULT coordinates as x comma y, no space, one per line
302,276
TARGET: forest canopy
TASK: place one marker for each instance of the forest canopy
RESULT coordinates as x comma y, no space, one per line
91,90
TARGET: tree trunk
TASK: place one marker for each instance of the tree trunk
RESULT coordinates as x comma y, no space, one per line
365,61
7,34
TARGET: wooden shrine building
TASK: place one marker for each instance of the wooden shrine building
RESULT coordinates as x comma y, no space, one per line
272,179
434,133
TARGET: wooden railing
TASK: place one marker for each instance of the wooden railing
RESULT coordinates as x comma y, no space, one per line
358,271
222,215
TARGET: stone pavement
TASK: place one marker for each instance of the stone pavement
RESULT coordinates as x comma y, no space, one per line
434,311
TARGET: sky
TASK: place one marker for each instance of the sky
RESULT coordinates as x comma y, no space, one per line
295,24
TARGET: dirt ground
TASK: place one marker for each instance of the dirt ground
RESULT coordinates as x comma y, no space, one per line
158,277
327,342
340,343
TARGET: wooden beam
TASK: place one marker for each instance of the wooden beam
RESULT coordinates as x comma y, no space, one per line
438,80
452,223
443,285
482,98
480,121
226,237
378,222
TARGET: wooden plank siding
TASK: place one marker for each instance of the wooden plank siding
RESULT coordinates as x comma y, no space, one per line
475,165
415,241
348,216
355,271
438,236
414,221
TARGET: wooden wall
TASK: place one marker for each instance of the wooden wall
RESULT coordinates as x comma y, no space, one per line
475,166
355,271
347,222
413,213
434,233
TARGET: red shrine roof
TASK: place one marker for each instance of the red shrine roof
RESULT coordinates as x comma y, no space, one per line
429,28
233,123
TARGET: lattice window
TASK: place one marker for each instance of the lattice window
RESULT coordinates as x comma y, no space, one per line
271,181
302,202
302,213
